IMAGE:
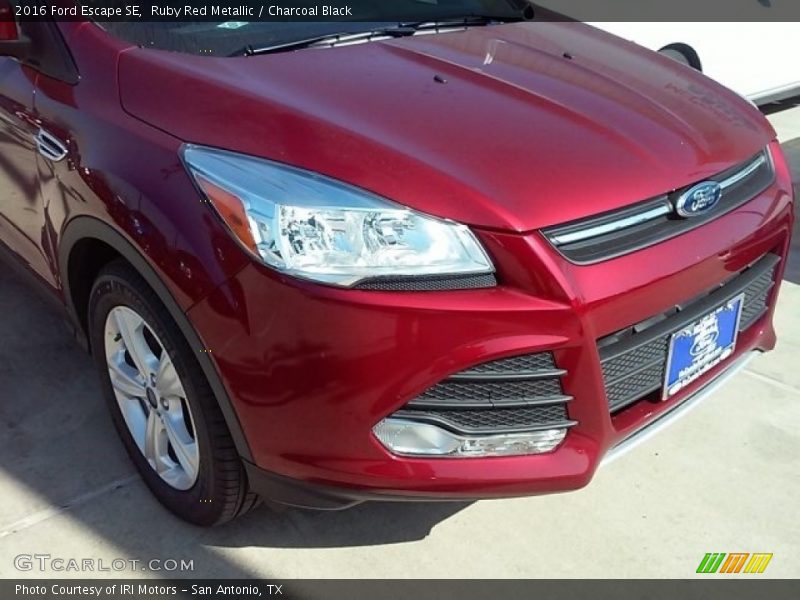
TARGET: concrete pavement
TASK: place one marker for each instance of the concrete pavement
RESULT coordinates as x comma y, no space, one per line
725,479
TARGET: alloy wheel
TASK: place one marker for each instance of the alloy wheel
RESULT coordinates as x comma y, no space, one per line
151,398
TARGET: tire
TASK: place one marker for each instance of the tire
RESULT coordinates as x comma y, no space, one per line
683,54
192,466
676,55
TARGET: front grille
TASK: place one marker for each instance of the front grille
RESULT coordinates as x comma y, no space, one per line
491,394
634,360
629,362
620,232
757,296
516,364
521,393
508,420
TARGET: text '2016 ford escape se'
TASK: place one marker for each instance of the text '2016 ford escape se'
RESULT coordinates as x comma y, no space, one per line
456,255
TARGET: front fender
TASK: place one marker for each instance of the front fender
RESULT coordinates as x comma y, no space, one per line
89,228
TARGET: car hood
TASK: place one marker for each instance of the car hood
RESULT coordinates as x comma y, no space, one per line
512,127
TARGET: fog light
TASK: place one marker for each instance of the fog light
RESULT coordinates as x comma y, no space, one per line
410,438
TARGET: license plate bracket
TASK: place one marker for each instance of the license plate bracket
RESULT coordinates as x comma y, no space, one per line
702,345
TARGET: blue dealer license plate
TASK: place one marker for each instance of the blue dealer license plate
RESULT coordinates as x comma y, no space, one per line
701,346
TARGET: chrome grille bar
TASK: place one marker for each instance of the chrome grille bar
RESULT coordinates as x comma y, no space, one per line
744,173
626,230
630,221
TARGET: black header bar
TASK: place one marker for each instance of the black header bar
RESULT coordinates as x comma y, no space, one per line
360,10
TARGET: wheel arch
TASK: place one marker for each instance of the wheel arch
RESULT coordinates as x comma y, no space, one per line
83,230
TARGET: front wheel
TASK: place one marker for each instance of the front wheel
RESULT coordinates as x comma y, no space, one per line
161,404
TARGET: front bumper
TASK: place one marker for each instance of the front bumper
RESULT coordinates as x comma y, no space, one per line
313,369
321,497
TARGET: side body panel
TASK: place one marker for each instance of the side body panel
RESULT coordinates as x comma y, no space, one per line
122,185
22,213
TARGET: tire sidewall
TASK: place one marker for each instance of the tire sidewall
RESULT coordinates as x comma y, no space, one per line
195,504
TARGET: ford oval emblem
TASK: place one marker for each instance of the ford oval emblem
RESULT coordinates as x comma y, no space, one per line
699,200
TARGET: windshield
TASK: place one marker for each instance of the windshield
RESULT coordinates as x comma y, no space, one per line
228,38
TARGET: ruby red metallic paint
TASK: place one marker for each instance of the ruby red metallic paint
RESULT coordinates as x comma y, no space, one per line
520,143
519,138
315,371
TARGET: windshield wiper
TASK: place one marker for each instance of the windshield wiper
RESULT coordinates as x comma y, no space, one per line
381,33
462,22
332,39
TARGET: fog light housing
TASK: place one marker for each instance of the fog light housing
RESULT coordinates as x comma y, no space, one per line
413,438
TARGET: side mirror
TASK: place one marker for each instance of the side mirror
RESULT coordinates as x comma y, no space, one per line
12,43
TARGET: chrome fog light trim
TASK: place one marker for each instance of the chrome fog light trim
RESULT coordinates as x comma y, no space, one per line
412,438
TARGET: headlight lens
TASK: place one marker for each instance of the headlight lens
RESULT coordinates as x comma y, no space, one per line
313,227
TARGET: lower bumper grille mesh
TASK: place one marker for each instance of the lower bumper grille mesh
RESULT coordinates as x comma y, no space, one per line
634,361
635,386
517,394
507,420
491,393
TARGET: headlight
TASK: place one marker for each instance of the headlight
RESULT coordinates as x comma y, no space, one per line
310,226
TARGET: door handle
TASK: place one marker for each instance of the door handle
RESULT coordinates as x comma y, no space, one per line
50,146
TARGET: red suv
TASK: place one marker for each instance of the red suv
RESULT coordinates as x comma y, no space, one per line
454,255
